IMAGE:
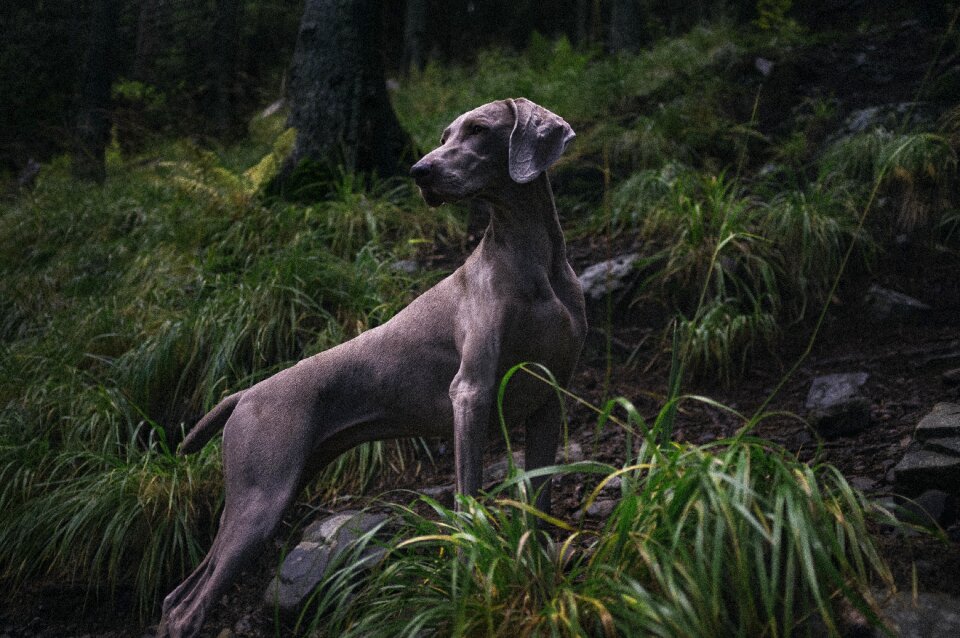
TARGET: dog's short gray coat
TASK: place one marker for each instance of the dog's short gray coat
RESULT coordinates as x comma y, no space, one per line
432,370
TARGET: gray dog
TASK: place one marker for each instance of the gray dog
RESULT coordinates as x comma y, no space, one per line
432,370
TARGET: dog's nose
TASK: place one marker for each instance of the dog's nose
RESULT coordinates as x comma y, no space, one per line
420,170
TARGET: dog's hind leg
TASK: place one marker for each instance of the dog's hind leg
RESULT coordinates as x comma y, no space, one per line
260,484
248,521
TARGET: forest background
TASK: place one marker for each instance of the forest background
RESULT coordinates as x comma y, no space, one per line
186,209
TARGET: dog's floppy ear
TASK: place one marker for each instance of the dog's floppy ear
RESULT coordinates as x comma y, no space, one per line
538,139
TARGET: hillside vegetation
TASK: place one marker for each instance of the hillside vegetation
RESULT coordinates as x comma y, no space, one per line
128,310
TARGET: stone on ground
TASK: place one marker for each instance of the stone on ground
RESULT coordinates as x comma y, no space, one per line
323,541
942,422
933,462
884,304
835,405
932,615
601,279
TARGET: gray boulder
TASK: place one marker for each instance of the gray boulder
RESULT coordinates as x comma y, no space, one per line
835,405
324,540
922,469
929,508
933,615
884,304
887,117
943,421
601,508
933,462
601,279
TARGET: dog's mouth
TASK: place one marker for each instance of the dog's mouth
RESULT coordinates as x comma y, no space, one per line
432,198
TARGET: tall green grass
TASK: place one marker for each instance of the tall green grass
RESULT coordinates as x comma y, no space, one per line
735,538
915,169
129,310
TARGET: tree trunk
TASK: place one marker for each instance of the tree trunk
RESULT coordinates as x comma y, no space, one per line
415,35
582,27
153,25
223,66
626,26
339,102
93,112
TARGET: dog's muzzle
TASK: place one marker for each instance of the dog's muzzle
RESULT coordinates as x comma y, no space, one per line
424,174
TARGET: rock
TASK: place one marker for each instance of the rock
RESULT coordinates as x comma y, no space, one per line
601,508
601,279
835,406
322,542
922,469
884,304
934,615
943,421
613,485
572,453
886,116
862,483
496,472
947,446
934,463
226,632
273,109
933,506
764,66
441,493
862,119
406,266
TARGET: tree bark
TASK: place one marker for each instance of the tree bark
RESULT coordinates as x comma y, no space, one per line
626,26
93,112
223,66
339,102
415,35
153,25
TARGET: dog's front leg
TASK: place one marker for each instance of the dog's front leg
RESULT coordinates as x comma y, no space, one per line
542,438
471,393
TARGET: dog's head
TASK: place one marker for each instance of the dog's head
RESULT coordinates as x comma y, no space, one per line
508,140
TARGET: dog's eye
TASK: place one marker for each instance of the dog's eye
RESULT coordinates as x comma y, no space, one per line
477,129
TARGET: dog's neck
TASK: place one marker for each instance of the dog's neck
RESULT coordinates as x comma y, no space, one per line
523,219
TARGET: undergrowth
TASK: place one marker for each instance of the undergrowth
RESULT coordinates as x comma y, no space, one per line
734,538
128,310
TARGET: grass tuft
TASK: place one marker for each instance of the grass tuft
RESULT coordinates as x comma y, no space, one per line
735,538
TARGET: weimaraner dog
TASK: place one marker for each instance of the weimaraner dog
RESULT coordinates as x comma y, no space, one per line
432,370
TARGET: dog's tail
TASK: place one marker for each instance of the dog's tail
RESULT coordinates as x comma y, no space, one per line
209,425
